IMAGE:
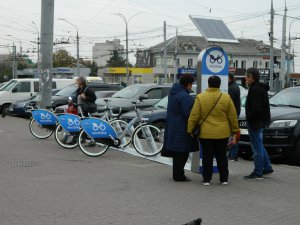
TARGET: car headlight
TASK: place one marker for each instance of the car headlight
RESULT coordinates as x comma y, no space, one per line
283,123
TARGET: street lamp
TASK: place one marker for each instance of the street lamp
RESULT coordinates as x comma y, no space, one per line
126,23
38,46
289,46
77,43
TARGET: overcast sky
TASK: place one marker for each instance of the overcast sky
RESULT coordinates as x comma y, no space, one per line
96,21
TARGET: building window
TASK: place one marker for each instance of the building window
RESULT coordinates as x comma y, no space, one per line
177,62
255,64
190,63
236,64
243,64
267,65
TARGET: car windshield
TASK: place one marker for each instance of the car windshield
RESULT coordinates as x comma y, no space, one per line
286,97
128,92
67,91
162,103
8,85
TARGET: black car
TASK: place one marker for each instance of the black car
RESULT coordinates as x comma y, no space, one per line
282,136
61,97
150,93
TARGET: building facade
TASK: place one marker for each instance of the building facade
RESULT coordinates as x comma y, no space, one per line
103,51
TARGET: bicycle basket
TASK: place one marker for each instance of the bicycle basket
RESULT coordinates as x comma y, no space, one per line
69,122
44,117
97,128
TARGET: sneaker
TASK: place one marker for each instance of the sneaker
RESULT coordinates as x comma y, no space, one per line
224,183
253,176
205,183
270,172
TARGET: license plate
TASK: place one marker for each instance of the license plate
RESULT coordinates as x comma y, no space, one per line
244,132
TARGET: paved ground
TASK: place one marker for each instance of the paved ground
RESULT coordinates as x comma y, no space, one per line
41,183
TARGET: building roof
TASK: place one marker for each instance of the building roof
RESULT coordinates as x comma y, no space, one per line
194,44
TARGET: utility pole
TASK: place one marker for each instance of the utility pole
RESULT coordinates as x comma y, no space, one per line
14,62
47,20
165,52
271,48
283,51
175,56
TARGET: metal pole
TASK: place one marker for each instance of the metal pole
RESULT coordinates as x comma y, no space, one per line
175,57
77,61
14,62
283,49
165,52
127,71
77,45
47,18
271,48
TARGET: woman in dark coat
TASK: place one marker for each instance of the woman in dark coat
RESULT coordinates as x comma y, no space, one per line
177,143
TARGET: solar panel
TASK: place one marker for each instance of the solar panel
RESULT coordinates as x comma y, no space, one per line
214,30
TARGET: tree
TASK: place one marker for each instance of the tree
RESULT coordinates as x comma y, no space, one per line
116,60
62,58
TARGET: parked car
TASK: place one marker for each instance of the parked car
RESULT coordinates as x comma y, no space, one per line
150,93
282,136
61,97
18,108
99,94
155,114
19,89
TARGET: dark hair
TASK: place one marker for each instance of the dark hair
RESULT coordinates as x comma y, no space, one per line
214,82
186,79
254,73
231,76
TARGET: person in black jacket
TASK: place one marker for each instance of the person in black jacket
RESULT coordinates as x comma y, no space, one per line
85,96
177,142
257,116
235,94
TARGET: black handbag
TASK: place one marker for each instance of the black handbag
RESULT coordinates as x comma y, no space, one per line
197,129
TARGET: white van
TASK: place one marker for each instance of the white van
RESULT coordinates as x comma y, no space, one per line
19,89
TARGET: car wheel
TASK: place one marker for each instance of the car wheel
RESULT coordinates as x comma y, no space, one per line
5,109
294,157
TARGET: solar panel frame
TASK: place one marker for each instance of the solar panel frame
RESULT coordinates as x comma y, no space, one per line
214,30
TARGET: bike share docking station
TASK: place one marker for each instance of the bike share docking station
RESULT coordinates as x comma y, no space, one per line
212,61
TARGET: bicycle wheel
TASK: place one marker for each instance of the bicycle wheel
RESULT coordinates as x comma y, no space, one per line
119,126
89,146
39,131
148,140
66,139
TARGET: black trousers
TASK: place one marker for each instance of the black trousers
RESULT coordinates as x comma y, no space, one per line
217,148
179,161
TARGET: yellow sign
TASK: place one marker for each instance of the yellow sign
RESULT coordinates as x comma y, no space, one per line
122,70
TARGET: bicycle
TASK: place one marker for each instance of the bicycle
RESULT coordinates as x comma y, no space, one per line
42,123
147,139
67,131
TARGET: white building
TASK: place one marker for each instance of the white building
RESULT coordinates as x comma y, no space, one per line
103,51
245,54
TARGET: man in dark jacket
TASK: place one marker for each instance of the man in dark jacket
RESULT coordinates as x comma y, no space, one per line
235,95
85,96
177,142
258,116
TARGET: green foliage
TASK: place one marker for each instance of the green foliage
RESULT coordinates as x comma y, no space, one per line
116,60
62,58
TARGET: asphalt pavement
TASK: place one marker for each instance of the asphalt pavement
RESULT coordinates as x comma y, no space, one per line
42,183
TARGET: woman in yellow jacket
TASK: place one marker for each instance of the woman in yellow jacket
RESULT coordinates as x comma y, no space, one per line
219,125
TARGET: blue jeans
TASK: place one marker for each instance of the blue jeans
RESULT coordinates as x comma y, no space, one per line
260,155
233,152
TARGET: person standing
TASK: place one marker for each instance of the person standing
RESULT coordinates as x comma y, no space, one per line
257,116
235,94
177,143
216,113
